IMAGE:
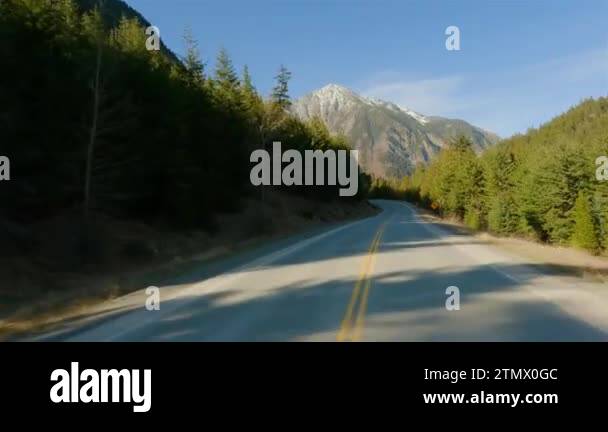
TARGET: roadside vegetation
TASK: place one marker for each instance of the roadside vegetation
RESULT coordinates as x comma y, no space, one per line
540,185
113,145
94,121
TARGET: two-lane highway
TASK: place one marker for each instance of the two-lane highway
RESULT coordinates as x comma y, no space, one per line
381,278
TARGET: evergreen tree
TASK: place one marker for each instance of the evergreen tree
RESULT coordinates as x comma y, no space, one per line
321,137
584,235
224,71
252,103
600,190
461,144
280,92
192,61
499,164
92,26
129,36
248,86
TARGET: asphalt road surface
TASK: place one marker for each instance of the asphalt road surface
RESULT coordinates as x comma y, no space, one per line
382,278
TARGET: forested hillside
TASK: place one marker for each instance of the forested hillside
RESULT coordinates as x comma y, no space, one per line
127,163
541,184
94,122
113,11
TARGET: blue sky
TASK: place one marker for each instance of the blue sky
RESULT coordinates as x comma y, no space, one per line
520,64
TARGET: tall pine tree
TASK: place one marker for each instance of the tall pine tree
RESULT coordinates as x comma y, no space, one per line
192,60
584,235
280,92
252,101
224,71
248,86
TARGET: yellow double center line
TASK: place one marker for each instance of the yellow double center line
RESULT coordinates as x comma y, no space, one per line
352,324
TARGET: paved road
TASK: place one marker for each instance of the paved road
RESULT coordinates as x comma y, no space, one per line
379,279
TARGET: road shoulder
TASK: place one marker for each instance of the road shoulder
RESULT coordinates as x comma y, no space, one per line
555,260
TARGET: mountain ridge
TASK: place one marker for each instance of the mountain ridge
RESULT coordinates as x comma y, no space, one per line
391,139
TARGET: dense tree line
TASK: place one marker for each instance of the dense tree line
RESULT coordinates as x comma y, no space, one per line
541,184
391,188
93,121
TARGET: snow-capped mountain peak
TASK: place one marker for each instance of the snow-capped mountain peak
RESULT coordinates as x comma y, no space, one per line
391,139
392,106
419,117
335,96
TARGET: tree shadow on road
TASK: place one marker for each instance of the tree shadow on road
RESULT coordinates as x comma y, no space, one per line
402,306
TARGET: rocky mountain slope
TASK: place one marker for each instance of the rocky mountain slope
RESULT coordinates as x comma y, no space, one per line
391,140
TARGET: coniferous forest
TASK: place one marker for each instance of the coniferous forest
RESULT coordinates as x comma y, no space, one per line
95,122
539,185
123,157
